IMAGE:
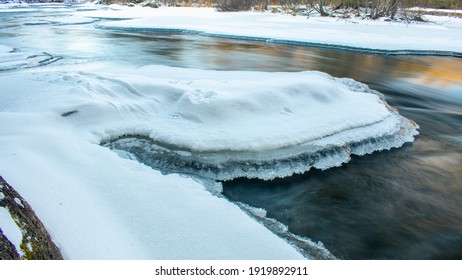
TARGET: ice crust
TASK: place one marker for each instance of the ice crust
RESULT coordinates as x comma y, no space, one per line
270,164
258,125
313,250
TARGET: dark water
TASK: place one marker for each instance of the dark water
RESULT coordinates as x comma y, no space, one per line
400,204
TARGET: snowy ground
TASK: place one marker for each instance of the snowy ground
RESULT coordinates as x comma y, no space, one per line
98,205
437,11
382,35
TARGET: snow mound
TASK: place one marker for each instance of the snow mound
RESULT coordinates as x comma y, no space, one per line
256,125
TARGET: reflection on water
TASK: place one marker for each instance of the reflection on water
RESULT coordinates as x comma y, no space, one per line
400,204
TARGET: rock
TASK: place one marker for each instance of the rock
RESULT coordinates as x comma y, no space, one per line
7,250
36,243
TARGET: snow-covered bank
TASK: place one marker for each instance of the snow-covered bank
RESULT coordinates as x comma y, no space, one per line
435,11
258,125
439,36
377,36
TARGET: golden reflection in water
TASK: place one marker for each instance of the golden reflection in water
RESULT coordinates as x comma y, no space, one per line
434,71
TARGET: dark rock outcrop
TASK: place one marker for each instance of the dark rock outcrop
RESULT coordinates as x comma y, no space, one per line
36,243
7,250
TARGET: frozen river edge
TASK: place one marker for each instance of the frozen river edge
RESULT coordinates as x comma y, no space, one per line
270,40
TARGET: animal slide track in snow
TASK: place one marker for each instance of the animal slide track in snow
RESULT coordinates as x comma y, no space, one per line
284,124
14,59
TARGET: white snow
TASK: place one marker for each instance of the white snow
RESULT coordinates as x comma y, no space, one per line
433,10
245,117
235,111
98,205
444,31
29,246
10,229
2,196
18,201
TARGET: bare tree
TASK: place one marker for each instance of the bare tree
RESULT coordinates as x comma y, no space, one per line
319,6
234,5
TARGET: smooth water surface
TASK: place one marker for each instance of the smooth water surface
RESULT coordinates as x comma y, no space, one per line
399,204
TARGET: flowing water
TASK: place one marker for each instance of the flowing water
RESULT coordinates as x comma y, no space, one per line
400,204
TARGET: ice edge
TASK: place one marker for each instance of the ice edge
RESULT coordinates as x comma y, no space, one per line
270,40
157,156
307,247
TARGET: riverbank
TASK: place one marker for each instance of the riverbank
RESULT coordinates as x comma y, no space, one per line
379,36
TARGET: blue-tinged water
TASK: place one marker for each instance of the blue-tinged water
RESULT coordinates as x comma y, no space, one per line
400,204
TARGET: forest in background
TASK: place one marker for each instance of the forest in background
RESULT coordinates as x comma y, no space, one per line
366,9
264,4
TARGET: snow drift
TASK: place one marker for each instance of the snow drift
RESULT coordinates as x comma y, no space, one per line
255,125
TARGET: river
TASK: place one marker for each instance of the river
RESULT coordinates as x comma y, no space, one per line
400,204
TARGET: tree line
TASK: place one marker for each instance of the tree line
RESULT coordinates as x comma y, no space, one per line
373,8
365,8
249,4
